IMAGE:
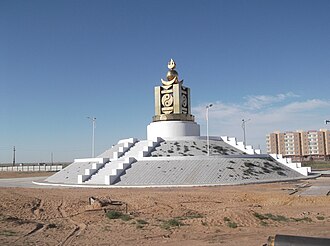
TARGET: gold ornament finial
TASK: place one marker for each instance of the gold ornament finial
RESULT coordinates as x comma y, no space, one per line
172,75
171,64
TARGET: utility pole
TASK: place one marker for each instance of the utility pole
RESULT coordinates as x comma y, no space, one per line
244,134
93,119
207,128
51,158
14,156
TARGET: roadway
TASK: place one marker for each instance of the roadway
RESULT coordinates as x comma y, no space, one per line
24,182
318,187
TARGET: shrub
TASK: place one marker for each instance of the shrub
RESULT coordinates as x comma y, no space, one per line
260,216
263,223
114,215
277,217
307,219
270,216
232,224
125,217
194,216
171,223
118,215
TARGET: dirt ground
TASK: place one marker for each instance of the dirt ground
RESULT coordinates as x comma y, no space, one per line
227,215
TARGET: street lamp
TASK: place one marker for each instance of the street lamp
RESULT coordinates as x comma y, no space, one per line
14,156
327,121
93,119
244,135
207,128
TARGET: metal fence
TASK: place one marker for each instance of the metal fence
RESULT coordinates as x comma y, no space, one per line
35,168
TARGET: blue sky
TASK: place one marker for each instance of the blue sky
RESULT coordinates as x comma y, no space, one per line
61,61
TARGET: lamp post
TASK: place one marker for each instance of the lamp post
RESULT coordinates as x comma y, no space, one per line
327,121
93,119
207,128
14,156
244,135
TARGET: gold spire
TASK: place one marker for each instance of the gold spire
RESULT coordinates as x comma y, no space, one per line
172,75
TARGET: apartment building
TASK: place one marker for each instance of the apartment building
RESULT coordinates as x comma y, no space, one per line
300,145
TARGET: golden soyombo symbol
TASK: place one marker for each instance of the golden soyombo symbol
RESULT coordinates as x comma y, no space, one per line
172,99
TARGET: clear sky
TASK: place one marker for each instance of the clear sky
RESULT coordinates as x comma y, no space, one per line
61,61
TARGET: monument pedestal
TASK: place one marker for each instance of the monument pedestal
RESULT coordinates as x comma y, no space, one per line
172,129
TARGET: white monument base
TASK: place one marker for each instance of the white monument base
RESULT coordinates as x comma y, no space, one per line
172,129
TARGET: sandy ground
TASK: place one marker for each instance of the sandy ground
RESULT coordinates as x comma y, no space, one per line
229,215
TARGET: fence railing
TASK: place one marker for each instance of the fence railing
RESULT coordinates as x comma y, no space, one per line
35,168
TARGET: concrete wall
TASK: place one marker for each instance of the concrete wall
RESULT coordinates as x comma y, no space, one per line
31,168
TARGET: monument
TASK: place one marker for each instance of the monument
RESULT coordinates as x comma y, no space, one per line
173,116
175,154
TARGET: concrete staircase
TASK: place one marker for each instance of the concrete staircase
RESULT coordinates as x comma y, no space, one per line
249,150
114,154
110,172
293,165
240,145
119,149
97,163
148,147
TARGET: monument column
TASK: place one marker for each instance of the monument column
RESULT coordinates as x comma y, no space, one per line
172,117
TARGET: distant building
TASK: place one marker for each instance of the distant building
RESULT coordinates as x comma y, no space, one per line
300,145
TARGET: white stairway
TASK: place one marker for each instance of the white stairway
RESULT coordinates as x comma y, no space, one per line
249,150
293,165
115,152
112,170
240,145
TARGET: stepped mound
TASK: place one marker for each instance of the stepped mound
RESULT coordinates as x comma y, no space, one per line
205,171
173,163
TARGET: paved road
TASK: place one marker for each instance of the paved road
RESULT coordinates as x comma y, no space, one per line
316,190
319,186
23,182
325,172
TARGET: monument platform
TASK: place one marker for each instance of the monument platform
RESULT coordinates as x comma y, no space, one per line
173,163
172,129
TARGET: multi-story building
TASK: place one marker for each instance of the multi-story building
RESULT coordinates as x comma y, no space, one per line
327,141
300,145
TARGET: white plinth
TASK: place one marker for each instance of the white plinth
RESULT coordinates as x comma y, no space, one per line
172,129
